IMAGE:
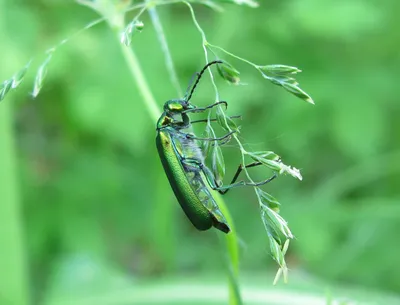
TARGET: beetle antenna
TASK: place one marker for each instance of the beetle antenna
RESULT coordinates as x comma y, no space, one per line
199,75
191,83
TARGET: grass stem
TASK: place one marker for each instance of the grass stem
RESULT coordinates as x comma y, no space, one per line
13,275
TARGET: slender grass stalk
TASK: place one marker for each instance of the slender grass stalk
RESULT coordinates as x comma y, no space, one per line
13,271
13,275
164,46
232,245
138,76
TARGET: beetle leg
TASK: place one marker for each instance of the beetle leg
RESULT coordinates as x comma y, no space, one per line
239,170
197,109
223,189
223,142
190,136
214,120
208,174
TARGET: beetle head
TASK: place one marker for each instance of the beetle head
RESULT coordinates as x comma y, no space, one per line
177,106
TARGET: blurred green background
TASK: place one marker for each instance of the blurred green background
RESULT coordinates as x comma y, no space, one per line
92,213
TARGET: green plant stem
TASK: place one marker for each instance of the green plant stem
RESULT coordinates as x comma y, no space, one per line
164,46
232,245
231,54
204,43
139,78
13,271
13,279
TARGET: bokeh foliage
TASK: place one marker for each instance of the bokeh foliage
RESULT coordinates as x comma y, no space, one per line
91,184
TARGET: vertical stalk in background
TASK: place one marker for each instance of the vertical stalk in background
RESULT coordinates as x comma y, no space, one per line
138,77
155,19
13,275
13,271
164,236
232,246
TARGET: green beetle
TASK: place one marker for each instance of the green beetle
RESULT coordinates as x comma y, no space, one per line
191,180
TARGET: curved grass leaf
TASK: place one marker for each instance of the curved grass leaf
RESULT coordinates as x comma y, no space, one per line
272,164
5,88
224,121
19,76
270,155
207,144
218,163
281,261
268,200
13,82
280,80
294,89
276,250
282,75
228,73
273,161
276,221
271,230
279,69
133,27
41,74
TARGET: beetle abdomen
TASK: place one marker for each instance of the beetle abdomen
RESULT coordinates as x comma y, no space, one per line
189,200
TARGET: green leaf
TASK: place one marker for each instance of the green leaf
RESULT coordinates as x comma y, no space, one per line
272,231
218,163
273,161
207,144
41,74
13,83
132,28
281,261
279,69
272,164
228,73
220,117
234,287
280,80
224,121
5,88
19,76
232,125
281,75
276,221
270,155
268,200
294,89
276,250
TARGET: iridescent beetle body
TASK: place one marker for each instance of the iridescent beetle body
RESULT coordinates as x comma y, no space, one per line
193,183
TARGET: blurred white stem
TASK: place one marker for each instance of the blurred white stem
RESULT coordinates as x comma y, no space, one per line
139,78
164,46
